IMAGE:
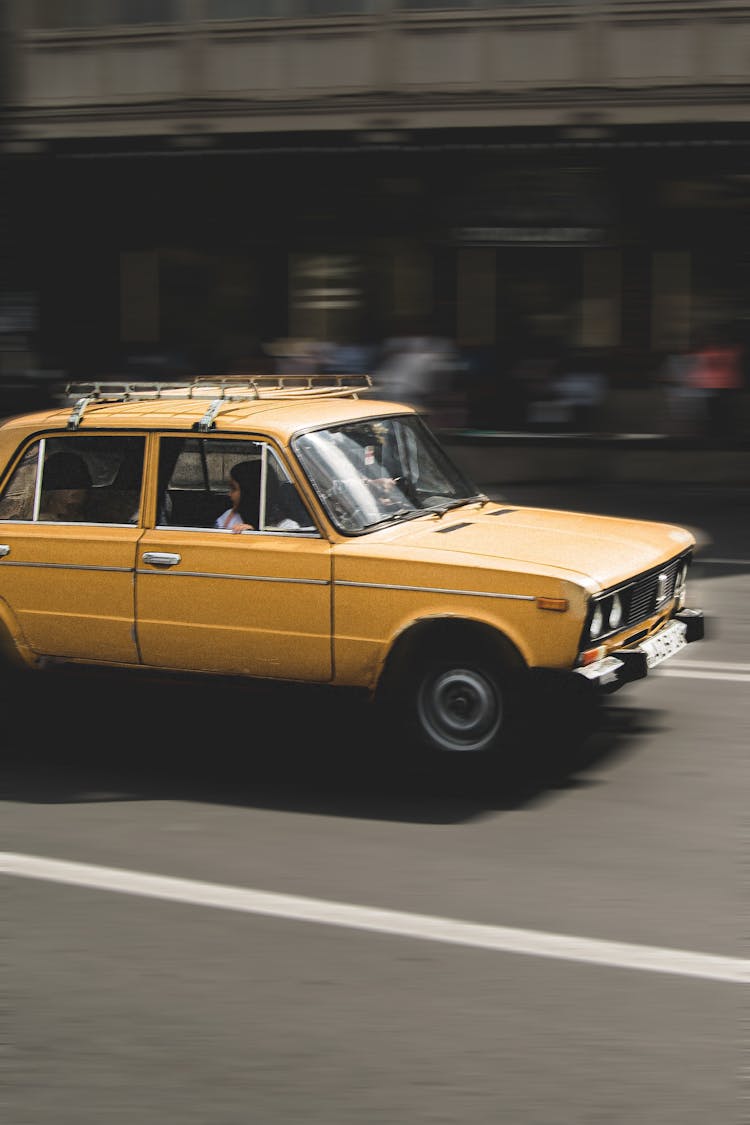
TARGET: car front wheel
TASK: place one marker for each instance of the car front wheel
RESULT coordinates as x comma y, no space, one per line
461,703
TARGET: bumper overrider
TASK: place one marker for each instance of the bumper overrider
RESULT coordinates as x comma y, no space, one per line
623,665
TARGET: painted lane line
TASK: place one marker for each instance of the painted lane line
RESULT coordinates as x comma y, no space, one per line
503,939
711,665
706,670
688,674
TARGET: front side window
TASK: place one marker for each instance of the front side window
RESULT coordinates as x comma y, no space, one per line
77,480
222,484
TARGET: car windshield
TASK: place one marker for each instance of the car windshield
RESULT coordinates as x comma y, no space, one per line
381,470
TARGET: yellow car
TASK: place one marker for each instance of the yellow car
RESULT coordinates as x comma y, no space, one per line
358,556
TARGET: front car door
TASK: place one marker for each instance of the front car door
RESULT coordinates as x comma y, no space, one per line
256,603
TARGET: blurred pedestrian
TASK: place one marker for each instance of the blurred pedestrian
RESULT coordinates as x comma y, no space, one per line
417,370
684,400
717,372
581,388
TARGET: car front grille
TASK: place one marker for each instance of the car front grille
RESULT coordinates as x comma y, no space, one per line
643,597
650,591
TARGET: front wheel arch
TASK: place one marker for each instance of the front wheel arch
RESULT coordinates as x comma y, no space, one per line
452,685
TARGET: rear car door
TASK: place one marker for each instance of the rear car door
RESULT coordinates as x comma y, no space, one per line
67,576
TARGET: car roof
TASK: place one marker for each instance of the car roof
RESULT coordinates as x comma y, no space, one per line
279,406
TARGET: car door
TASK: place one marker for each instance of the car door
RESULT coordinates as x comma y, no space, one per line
256,603
68,579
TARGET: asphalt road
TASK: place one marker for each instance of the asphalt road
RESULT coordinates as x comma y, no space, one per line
218,1006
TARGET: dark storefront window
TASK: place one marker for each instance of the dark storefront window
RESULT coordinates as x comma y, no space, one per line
52,14
335,7
258,9
414,5
68,13
423,5
325,296
146,11
243,9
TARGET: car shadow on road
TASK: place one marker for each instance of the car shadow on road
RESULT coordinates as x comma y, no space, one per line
107,735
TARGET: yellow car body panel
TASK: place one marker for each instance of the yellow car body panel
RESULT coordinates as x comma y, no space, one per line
425,581
240,604
490,569
71,589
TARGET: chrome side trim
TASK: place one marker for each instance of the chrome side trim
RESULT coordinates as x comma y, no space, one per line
283,532
438,590
70,523
235,577
70,566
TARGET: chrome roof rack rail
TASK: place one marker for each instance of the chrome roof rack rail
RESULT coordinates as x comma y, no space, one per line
219,389
113,391
77,412
280,386
225,386
208,418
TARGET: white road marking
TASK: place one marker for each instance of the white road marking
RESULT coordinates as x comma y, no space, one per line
503,939
706,670
689,674
714,665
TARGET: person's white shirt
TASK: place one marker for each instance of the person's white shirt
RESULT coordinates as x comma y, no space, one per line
229,519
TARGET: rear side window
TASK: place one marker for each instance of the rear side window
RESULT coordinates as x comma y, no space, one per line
77,480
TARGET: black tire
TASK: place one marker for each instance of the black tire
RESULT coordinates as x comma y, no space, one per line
458,704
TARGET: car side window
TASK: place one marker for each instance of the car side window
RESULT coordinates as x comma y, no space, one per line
77,479
17,500
194,485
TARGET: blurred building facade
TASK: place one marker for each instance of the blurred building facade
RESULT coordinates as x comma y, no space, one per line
185,181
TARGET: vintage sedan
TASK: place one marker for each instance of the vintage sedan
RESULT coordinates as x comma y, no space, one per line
365,558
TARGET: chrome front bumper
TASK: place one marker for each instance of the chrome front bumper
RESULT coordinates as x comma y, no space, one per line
627,664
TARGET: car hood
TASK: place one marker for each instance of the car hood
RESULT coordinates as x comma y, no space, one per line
600,549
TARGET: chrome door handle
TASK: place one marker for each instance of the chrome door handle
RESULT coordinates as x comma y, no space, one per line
161,558
4,549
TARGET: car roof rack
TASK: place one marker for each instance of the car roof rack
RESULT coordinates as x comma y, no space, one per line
220,390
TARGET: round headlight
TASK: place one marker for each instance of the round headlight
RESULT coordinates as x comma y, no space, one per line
615,612
597,621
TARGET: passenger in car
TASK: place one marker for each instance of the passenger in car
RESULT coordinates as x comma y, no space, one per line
244,493
66,487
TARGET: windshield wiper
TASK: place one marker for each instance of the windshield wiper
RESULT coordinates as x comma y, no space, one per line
440,509
433,509
402,513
